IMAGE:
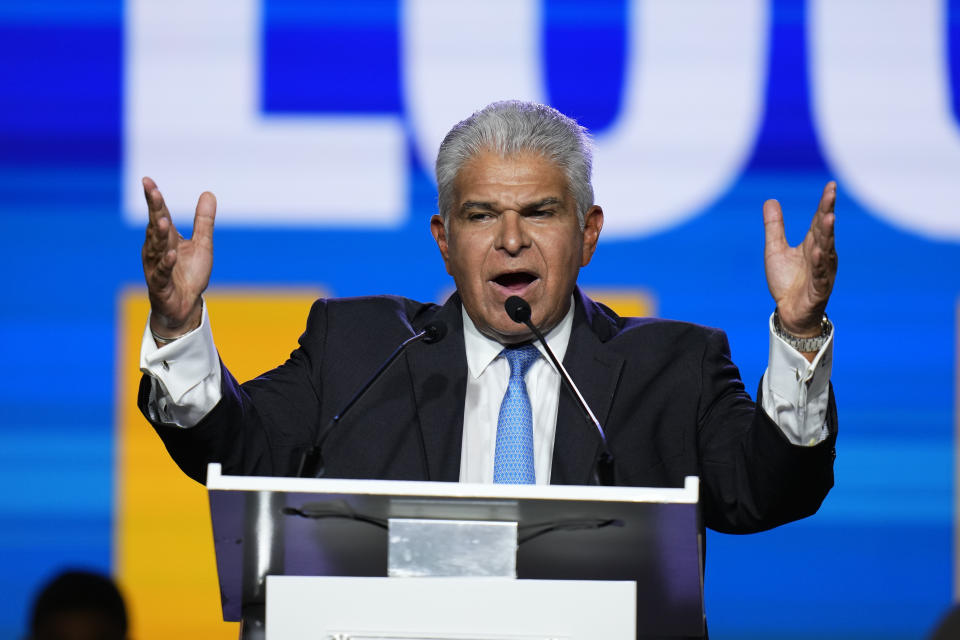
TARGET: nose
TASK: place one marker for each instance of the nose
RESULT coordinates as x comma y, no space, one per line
512,236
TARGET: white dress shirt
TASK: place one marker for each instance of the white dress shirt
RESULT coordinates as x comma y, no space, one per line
185,376
487,377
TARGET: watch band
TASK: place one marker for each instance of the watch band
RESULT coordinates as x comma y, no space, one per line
803,345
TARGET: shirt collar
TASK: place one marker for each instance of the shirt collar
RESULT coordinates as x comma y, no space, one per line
481,350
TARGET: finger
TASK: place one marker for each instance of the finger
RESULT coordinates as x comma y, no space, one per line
156,207
156,243
822,271
823,222
822,256
157,211
828,198
157,240
825,231
160,276
775,238
157,235
818,263
203,219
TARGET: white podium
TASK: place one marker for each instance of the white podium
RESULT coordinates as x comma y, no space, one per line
373,559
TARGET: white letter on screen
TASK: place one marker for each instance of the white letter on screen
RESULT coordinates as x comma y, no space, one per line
692,105
692,96
882,110
459,57
193,122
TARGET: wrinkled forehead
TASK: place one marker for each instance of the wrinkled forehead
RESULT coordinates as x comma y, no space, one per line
488,171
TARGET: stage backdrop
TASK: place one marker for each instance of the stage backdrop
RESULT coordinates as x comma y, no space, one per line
316,123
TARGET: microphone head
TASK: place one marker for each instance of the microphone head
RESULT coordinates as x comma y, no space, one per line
436,331
518,309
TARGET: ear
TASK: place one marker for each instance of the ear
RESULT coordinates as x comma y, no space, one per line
592,224
440,236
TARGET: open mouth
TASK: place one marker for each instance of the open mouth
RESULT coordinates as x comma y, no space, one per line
515,283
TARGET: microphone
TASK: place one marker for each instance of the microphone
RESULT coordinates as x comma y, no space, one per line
311,462
518,310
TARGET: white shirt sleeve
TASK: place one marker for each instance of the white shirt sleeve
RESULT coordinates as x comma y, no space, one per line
184,375
796,392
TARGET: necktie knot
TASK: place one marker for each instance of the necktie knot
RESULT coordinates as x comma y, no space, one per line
520,359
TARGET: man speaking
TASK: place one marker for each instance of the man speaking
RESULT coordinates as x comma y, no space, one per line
485,403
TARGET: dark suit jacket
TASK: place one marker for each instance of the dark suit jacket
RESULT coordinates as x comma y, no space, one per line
669,397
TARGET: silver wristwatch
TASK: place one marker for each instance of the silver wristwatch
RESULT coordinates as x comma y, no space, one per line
803,345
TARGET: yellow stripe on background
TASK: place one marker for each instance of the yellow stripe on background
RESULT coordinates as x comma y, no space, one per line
163,554
626,302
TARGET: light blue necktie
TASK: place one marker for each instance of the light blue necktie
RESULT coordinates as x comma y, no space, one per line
513,460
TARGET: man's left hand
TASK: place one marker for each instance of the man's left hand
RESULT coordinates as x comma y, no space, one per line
801,278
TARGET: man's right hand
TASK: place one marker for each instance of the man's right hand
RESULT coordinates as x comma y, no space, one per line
177,269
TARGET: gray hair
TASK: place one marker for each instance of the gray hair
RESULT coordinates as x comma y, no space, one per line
510,127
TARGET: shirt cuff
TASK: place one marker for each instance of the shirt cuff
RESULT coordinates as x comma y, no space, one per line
796,392
185,375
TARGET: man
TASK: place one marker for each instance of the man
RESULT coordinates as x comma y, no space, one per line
516,217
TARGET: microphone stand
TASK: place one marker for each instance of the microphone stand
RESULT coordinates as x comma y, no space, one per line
519,311
311,462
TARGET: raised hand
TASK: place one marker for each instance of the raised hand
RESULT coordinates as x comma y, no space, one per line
177,269
801,278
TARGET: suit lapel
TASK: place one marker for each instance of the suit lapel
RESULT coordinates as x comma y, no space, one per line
438,373
596,371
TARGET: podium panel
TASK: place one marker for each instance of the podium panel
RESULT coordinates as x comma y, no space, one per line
312,608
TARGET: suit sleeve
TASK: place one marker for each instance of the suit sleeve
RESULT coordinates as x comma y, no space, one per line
752,477
260,427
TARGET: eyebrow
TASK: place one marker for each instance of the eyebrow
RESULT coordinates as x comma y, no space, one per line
488,206
546,202
475,204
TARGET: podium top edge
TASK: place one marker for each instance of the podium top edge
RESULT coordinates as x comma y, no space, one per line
688,494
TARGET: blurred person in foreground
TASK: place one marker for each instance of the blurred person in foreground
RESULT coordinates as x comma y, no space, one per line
79,605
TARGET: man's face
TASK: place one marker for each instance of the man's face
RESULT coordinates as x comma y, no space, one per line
513,231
